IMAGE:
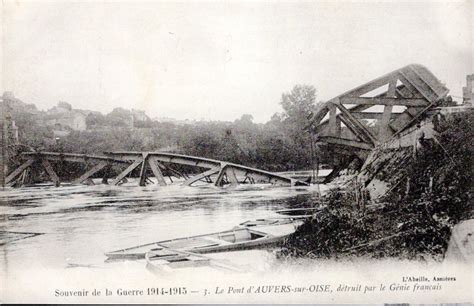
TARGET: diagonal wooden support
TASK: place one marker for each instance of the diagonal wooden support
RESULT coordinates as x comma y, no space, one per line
345,113
23,179
49,169
220,176
228,172
408,89
175,172
129,169
334,122
143,170
105,177
19,170
200,176
91,172
357,108
392,88
26,176
156,171
414,118
385,132
384,128
412,82
231,176
319,115
353,129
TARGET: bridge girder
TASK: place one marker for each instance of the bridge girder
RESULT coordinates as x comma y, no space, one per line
227,173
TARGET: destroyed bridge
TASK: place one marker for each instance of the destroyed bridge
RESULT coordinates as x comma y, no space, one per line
394,102
224,172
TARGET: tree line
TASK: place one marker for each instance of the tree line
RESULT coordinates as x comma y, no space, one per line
281,144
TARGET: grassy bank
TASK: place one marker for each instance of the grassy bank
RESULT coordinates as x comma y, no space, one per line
428,194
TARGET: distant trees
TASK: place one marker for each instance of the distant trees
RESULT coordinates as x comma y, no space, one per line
281,144
95,119
65,105
245,120
119,117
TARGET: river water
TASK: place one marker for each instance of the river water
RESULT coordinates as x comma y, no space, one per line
78,224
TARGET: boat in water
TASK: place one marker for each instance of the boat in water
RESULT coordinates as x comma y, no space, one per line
163,260
296,220
248,235
304,212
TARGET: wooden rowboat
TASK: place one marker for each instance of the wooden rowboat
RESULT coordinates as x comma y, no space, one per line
238,238
296,220
164,259
300,212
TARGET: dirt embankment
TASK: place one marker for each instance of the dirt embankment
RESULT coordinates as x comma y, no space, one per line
427,194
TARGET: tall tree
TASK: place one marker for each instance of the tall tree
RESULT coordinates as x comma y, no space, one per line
299,104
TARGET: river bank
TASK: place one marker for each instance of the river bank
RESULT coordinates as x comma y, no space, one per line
427,194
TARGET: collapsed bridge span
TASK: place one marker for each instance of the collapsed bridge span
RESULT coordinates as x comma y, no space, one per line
212,171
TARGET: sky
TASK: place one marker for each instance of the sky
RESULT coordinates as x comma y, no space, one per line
217,60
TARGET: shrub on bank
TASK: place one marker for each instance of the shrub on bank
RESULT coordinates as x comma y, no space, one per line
413,220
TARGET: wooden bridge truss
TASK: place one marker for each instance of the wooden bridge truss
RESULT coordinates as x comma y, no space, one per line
412,89
218,172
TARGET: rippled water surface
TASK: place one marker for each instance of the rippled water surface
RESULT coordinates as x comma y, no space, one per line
79,223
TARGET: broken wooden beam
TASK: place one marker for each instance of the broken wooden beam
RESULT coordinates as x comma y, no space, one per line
200,176
383,101
229,173
143,170
373,115
19,170
366,135
156,171
334,121
347,142
385,132
49,169
129,169
91,172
